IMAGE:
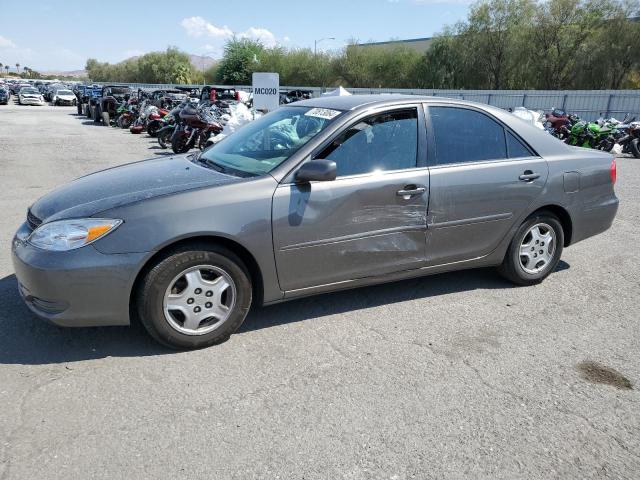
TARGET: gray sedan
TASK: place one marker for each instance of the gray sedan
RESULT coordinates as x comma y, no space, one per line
324,195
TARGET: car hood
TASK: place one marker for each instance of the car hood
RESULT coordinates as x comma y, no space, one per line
118,186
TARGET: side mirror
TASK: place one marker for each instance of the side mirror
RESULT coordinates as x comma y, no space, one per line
317,170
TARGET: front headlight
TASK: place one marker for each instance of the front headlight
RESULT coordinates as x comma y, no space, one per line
66,235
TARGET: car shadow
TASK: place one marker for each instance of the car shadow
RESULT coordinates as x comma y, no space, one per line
27,340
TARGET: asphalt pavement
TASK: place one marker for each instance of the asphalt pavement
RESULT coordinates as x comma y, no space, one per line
450,376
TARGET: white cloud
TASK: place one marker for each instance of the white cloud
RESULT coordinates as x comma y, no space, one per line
6,43
199,27
286,39
263,35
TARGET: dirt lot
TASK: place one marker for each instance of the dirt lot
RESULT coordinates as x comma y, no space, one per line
456,375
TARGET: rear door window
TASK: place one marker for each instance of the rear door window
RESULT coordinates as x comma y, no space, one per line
465,135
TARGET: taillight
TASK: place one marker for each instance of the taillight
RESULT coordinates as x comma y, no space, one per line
212,95
613,171
237,96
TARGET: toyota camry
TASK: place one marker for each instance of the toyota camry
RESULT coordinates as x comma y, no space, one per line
322,195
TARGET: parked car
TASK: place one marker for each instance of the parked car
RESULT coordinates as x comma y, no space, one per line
30,96
16,87
322,195
4,96
105,106
63,96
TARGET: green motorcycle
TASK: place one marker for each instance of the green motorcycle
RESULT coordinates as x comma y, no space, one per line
592,135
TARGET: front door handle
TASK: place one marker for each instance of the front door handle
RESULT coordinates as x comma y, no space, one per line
410,191
529,176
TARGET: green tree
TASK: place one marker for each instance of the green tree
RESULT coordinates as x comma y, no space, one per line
238,62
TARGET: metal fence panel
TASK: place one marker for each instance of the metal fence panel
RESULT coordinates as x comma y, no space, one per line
588,104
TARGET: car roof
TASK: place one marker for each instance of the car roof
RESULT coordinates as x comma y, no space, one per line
354,102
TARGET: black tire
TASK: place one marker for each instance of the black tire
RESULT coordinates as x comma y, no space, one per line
635,147
512,267
179,144
126,122
152,128
79,108
164,138
151,294
97,114
89,111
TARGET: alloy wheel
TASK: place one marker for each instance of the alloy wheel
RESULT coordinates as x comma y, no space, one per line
199,299
537,248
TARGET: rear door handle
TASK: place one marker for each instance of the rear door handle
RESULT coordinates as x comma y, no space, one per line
410,191
529,176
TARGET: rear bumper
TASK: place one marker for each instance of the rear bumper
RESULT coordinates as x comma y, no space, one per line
594,219
79,288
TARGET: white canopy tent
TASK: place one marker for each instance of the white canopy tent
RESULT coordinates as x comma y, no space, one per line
338,92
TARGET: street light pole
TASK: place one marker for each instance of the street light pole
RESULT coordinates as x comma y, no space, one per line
316,42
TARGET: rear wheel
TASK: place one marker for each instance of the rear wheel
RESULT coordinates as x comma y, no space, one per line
97,114
535,250
195,297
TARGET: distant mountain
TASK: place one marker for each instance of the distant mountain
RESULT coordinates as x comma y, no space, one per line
198,62
70,73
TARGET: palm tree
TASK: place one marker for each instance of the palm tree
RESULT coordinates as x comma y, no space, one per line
6,67
27,71
18,67
1,66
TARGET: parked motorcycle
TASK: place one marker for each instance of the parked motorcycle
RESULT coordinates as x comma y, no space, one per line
558,123
591,135
155,121
630,138
195,128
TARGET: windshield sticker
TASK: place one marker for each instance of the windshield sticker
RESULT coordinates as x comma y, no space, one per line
325,113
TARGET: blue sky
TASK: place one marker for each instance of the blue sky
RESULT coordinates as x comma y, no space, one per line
61,35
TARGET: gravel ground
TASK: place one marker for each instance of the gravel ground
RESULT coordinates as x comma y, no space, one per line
456,375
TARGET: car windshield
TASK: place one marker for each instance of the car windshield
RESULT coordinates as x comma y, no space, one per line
262,145
65,92
119,90
29,90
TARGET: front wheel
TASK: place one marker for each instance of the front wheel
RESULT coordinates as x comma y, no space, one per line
535,250
179,143
195,296
164,138
635,147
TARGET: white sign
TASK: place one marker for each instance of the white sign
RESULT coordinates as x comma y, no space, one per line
266,91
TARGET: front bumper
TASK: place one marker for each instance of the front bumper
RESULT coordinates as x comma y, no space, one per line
32,101
61,101
78,288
